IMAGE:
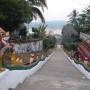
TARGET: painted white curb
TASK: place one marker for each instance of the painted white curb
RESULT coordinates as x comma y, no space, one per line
10,79
79,67
3,74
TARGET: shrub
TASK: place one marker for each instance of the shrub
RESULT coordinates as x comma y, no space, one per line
49,42
39,32
70,44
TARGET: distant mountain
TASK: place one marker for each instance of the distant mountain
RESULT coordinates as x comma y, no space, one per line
55,24
50,24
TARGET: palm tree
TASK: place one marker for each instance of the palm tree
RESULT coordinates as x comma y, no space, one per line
87,18
39,3
35,5
72,17
81,22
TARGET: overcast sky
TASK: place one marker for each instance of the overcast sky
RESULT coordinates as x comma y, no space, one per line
59,9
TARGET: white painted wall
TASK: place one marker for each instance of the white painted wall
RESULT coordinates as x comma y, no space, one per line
32,46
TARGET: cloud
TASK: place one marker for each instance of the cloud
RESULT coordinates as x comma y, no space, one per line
59,9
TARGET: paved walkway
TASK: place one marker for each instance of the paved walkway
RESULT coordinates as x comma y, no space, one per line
57,74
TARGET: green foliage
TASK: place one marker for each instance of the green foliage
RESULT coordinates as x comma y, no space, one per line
23,32
81,22
35,6
35,32
39,3
13,13
49,42
39,32
70,43
73,20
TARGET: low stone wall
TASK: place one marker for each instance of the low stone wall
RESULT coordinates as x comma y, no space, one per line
29,47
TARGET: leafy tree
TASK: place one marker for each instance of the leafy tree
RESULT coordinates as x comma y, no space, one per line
13,13
81,22
87,19
49,42
73,17
72,42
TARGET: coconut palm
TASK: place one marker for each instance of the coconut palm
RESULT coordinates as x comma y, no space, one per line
39,3
74,20
35,7
87,18
81,22
72,17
